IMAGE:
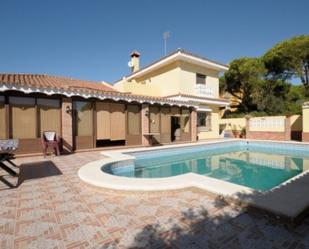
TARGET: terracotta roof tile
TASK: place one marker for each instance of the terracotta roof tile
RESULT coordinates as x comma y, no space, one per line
81,86
40,80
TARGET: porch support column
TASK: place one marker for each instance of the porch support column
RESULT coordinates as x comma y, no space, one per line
7,120
305,135
247,117
145,124
287,128
193,119
67,125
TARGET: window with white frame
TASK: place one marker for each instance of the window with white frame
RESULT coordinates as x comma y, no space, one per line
204,120
200,79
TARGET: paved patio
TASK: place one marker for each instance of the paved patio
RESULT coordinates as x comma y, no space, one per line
52,208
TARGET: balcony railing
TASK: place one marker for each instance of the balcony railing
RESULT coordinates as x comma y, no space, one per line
203,90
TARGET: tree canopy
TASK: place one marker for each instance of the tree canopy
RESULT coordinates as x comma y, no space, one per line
243,79
262,84
289,59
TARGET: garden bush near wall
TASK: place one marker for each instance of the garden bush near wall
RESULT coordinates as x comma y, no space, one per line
236,126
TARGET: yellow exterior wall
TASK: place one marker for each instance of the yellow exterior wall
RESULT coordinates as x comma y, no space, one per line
233,123
162,82
177,77
214,132
188,78
306,119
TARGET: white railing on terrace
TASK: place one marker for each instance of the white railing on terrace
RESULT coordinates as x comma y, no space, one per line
203,90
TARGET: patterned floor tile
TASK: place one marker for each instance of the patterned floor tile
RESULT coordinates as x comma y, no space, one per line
63,212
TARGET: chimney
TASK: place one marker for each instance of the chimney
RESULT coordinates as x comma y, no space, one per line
135,61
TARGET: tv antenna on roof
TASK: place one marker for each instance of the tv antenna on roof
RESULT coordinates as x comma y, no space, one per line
166,35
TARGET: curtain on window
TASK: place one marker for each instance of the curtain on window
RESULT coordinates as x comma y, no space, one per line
118,120
134,120
23,115
165,125
208,120
49,115
200,79
204,121
2,118
201,119
175,111
165,120
103,120
84,120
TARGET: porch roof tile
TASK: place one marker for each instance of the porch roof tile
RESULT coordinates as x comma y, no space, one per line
69,86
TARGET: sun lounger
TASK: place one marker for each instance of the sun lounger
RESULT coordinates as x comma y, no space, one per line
7,147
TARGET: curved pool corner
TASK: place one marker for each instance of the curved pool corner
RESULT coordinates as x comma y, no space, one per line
283,200
94,173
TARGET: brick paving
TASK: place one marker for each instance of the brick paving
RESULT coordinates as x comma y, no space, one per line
53,208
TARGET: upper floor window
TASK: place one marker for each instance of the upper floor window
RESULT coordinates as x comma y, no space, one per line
200,79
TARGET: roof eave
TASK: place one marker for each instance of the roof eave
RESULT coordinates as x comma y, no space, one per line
199,100
203,62
175,57
89,94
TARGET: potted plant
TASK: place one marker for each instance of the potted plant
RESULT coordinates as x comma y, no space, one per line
235,131
243,132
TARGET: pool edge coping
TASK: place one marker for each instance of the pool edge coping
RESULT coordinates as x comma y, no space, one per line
92,174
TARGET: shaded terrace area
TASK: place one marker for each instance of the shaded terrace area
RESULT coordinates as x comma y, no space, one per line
48,206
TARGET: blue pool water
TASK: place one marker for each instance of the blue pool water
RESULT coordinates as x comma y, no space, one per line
258,166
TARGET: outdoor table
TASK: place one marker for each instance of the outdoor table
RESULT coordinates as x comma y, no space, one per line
7,147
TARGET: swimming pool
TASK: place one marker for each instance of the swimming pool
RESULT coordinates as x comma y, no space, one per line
268,175
257,165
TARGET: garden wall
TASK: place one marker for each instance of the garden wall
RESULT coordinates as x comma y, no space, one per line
268,127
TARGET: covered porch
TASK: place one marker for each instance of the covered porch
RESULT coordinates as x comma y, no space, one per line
86,118
208,113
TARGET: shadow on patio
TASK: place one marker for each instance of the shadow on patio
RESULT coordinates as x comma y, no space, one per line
227,228
30,171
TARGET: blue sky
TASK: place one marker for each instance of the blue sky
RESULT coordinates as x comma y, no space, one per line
93,39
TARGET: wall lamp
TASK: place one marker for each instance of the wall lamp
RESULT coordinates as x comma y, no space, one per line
68,110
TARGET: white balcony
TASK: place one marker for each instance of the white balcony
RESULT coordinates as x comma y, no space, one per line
204,91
